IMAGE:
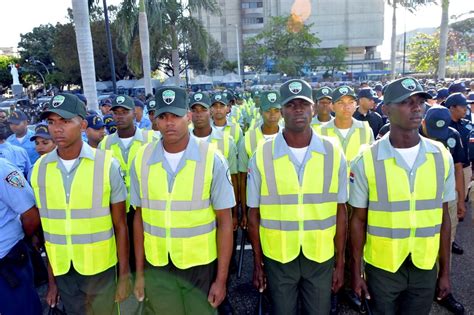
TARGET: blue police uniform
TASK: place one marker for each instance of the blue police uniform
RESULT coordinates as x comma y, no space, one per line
26,144
16,156
17,290
464,128
145,123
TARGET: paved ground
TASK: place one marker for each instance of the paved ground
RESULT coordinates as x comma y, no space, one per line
244,298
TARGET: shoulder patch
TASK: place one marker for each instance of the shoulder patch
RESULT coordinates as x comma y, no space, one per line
15,179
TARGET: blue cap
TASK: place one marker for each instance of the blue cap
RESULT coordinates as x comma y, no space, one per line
456,99
17,117
433,93
442,93
367,93
41,130
378,87
471,96
138,103
437,120
94,122
457,86
106,101
110,123
82,98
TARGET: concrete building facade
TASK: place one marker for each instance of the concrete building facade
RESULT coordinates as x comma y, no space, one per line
356,24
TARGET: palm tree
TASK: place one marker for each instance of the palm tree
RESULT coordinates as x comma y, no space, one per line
410,5
80,9
133,24
443,39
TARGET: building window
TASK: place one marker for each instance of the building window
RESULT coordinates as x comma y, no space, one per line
252,20
252,5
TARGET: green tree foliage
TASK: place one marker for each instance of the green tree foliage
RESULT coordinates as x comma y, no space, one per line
37,44
423,50
213,61
287,42
229,66
465,29
332,59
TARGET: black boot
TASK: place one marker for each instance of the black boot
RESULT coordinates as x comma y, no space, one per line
452,305
457,249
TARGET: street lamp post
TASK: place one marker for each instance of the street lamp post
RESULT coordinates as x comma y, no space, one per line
238,51
109,48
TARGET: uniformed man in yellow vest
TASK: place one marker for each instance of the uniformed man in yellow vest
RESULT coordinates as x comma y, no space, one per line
81,197
350,133
296,192
124,144
219,111
399,189
270,110
183,194
323,106
199,105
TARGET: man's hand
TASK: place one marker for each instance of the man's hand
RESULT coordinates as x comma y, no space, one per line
259,278
124,287
243,222
52,296
139,289
235,222
461,210
443,287
360,287
217,293
337,278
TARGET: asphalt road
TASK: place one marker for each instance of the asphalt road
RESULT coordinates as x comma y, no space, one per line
244,298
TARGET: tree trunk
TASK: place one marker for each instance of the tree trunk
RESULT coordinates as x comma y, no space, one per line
393,50
443,39
80,10
145,47
175,54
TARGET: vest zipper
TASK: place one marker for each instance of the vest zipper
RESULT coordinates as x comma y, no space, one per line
168,224
300,215
411,239
68,231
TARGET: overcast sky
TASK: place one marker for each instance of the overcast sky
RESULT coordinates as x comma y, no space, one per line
20,16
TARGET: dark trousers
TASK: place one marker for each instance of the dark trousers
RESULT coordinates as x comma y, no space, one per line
302,279
170,290
88,294
131,256
410,290
17,290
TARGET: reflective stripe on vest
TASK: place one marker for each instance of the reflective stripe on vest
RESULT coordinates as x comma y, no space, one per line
296,216
184,230
252,139
402,222
364,138
74,232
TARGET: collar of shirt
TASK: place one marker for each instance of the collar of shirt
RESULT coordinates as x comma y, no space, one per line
86,152
281,148
387,151
190,153
138,136
316,120
355,124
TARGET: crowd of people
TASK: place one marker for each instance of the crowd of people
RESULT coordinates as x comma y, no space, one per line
341,191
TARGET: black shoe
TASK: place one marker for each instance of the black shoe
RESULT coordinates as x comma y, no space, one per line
334,304
354,302
456,249
225,308
450,303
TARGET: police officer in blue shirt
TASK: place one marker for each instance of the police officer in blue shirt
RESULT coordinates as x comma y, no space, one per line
141,121
18,216
21,134
13,153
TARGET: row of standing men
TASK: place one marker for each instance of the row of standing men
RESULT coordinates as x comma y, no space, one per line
179,199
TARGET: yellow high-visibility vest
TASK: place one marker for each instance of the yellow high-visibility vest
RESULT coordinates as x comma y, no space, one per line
296,217
401,222
252,139
106,144
178,222
81,230
351,145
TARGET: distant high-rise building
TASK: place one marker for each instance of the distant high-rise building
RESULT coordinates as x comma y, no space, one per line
356,24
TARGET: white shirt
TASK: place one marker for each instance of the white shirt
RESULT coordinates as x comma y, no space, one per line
21,139
270,137
126,141
409,154
68,164
173,159
220,128
299,153
205,139
344,132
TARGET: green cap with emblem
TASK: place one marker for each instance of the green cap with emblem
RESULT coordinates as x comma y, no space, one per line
65,105
296,89
171,99
151,105
324,92
343,91
124,101
269,100
200,98
399,90
219,98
